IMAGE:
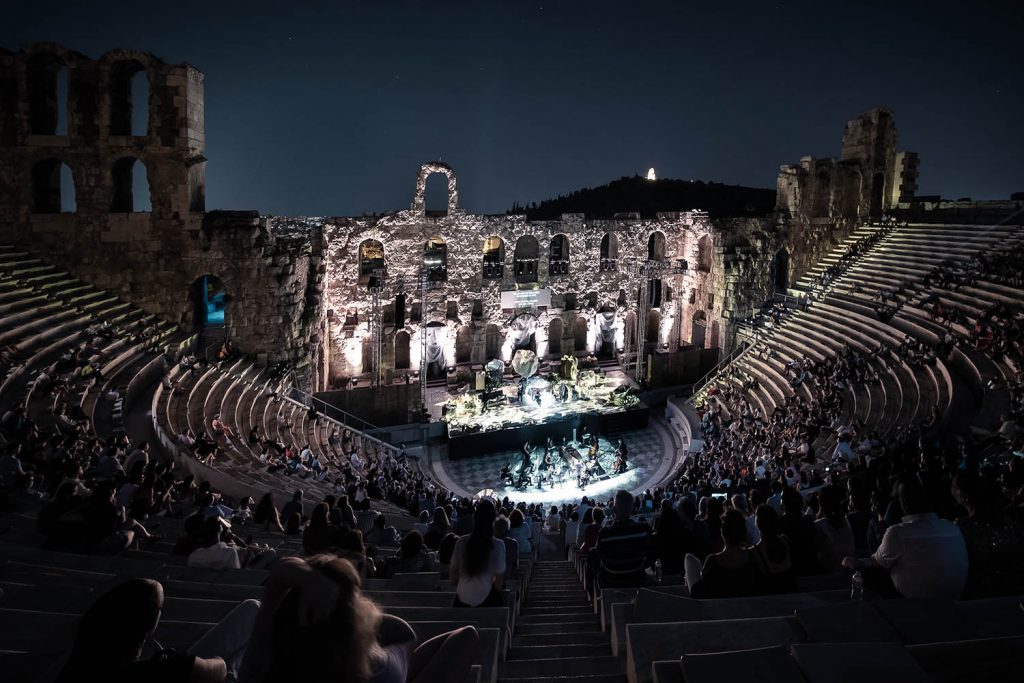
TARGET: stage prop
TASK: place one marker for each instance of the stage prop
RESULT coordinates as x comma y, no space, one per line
537,407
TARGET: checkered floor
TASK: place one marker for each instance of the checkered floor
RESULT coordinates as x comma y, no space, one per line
648,450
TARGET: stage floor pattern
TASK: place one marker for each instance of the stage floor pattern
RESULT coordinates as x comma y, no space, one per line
651,454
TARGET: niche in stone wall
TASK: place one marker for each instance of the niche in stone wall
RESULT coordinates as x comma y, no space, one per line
698,329
555,330
492,342
402,350
704,248
580,332
463,344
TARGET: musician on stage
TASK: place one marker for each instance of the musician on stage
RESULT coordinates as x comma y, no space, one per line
620,457
594,465
506,475
527,463
545,463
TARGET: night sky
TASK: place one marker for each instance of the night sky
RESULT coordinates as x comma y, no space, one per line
330,107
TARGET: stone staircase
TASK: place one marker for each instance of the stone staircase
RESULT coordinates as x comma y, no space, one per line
558,637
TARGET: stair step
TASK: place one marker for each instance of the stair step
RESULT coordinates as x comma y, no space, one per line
588,626
560,650
535,668
573,638
555,610
601,678
555,616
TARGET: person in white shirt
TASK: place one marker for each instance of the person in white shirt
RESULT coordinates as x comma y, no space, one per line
478,562
925,556
216,554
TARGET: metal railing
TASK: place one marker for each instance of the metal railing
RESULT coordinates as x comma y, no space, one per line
729,358
343,419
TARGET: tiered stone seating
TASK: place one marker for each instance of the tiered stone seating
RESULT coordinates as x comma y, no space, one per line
906,256
239,394
45,312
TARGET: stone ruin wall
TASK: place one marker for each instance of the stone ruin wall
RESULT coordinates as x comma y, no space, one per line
292,282
150,258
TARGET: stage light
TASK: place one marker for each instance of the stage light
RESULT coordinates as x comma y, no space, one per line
650,174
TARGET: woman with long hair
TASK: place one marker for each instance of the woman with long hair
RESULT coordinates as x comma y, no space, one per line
437,529
316,625
732,572
320,535
478,562
773,551
266,513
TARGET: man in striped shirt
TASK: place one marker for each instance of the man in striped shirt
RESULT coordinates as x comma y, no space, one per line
622,547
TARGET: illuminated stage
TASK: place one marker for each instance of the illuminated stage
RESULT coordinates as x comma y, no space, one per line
512,413
650,459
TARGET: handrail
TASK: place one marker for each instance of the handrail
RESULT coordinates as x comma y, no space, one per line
327,409
706,379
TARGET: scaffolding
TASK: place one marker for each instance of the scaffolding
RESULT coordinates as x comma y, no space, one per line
642,273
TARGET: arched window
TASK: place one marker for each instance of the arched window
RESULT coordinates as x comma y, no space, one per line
401,350
129,99
555,330
47,86
580,333
558,256
822,193
609,252
435,195
494,258
704,248
463,344
371,262
525,258
53,187
715,334
435,260
621,301
654,292
209,300
656,246
131,186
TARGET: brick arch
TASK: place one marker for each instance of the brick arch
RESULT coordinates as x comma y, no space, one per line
429,169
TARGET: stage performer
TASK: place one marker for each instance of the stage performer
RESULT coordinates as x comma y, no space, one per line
506,475
527,463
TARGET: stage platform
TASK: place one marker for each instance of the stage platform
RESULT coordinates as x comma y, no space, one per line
537,426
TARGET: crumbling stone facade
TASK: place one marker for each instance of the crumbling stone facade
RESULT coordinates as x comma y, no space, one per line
151,257
322,291
868,179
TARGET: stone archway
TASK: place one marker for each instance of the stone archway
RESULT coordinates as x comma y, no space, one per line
581,331
555,330
463,344
428,169
698,329
778,271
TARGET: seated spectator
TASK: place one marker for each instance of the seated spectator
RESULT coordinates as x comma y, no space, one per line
521,531
732,572
585,522
478,562
292,506
381,534
108,529
773,552
921,557
266,513
320,535
352,548
316,625
111,635
833,536
293,525
216,553
995,548
593,529
553,524
501,527
670,542
413,556
621,547
445,548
